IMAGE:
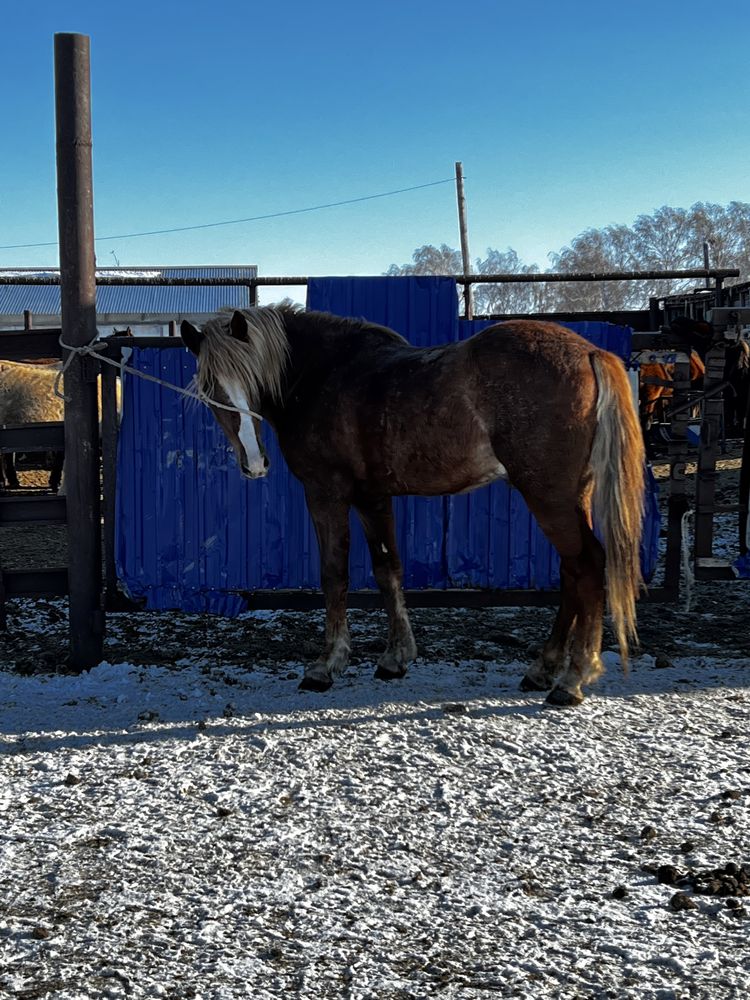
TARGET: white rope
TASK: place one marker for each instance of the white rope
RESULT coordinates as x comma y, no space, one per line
94,349
687,567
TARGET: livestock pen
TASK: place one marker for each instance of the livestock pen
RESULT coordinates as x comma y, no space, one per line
165,355
87,475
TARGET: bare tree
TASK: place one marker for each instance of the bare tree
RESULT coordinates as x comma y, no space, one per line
668,238
508,298
609,249
429,259
488,299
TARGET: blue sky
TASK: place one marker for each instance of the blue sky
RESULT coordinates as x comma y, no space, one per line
565,115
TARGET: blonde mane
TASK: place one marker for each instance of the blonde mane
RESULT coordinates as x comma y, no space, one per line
257,362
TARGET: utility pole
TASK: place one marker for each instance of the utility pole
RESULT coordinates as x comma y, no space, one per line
463,230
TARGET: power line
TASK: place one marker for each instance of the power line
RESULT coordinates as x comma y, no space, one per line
235,222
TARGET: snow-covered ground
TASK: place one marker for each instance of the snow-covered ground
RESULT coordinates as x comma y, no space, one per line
191,831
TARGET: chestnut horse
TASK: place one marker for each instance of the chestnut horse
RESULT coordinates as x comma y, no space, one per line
362,416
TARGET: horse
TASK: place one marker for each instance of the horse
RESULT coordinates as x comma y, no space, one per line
26,397
362,416
655,395
655,392
700,336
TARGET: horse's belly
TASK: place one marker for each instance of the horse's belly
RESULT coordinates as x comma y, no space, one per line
488,474
430,476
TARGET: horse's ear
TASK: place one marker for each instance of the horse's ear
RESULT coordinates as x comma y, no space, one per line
192,337
238,326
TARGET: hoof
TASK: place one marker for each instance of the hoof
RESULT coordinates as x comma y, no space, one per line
529,684
317,684
560,698
381,674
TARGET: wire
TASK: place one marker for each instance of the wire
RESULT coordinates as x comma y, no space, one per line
235,222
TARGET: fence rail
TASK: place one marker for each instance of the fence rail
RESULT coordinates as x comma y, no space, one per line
717,273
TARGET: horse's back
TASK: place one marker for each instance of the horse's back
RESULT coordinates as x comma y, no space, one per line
535,342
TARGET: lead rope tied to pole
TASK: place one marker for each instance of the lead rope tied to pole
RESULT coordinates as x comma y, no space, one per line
95,348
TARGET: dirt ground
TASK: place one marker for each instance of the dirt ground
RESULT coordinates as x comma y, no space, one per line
717,624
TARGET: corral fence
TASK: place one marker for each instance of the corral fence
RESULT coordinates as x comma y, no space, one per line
29,344
91,479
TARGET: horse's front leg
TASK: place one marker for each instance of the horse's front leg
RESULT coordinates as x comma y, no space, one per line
331,519
377,520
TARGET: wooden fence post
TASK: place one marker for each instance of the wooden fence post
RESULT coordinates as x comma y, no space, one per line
464,234
75,207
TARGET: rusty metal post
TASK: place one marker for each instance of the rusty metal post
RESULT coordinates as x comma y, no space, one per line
744,513
75,209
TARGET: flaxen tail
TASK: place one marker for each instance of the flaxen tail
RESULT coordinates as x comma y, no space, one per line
617,463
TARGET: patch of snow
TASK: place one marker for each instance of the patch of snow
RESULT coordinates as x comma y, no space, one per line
168,833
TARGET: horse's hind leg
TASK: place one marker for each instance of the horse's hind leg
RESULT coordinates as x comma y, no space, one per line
571,656
585,663
331,520
377,520
551,661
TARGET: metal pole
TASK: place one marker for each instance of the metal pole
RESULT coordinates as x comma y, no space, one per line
708,453
463,230
493,279
744,516
677,501
75,208
28,320
706,261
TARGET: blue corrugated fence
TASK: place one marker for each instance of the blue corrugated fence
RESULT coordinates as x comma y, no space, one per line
190,530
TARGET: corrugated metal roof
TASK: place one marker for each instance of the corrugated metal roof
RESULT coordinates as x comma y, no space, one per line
137,301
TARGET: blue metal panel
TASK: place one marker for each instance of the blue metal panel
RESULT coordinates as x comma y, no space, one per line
189,527
177,484
191,530
424,310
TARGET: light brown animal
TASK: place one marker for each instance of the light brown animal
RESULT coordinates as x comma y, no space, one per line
27,397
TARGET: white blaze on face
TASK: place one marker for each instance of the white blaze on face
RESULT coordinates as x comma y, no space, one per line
253,462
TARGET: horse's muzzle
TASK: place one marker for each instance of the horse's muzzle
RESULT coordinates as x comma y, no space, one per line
256,472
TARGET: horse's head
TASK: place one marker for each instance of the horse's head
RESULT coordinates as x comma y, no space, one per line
225,375
696,333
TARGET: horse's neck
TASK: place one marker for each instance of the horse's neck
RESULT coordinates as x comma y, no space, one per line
308,355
